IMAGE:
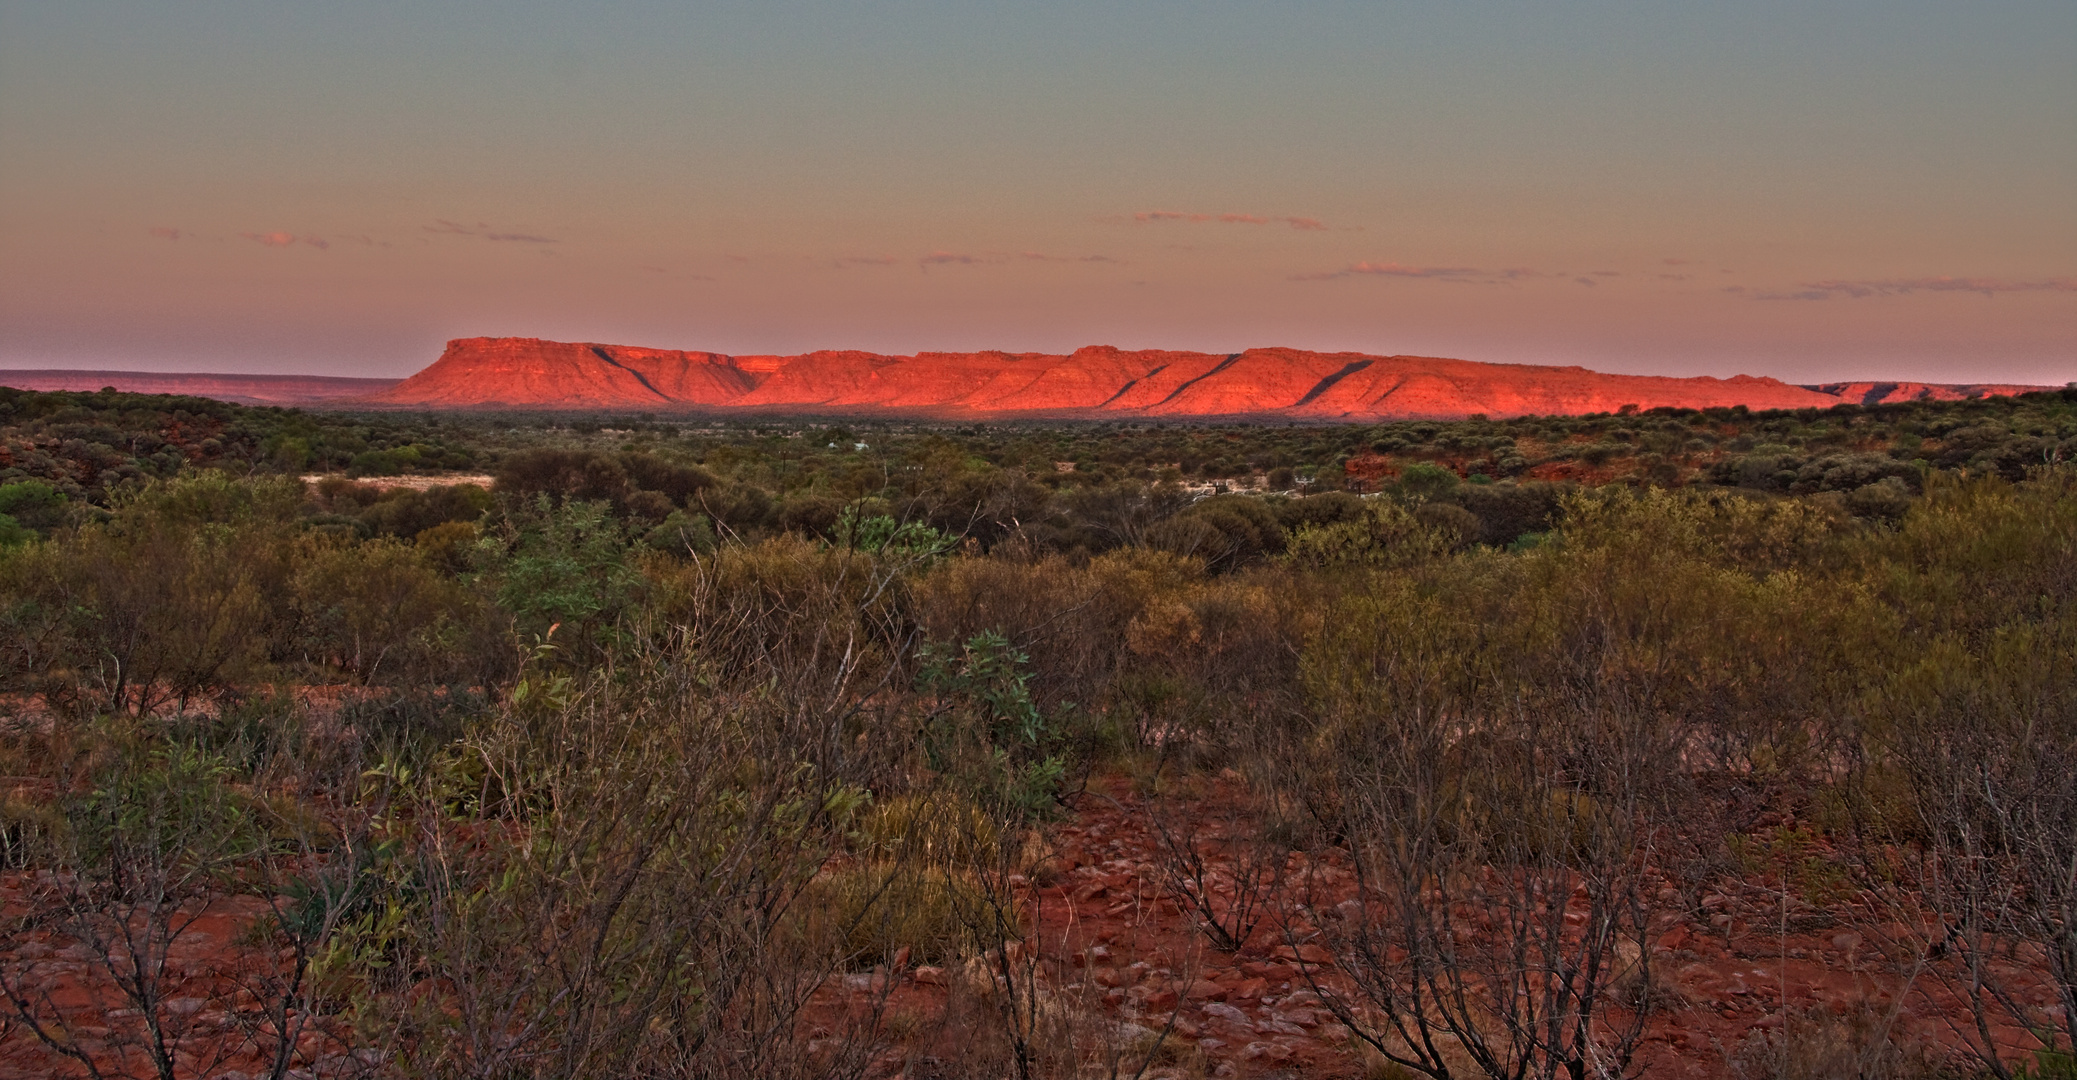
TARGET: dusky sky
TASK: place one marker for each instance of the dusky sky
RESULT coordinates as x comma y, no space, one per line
1811,190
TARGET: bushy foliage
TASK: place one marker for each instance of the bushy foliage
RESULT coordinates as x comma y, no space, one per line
611,768
983,730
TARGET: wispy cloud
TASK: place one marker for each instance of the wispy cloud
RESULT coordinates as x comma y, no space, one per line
167,232
483,229
665,271
1988,286
1040,256
1464,274
286,239
1147,217
998,258
866,260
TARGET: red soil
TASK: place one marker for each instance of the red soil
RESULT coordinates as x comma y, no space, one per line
1739,967
1119,954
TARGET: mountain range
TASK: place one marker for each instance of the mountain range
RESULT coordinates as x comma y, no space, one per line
1090,383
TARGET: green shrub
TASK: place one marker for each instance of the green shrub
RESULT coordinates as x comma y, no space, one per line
984,733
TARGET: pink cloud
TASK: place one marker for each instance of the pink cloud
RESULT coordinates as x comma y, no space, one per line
1988,286
483,229
1397,270
961,258
1146,217
1393,269
286,239
166,232
1900,287
1039,256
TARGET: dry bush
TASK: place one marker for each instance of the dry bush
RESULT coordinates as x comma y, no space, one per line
181,593
1976,733
1501,782
911,889
1072,621
617,904
939,828
1219,865
134,866
611,873
1213,675
825,635
870,913
381,613
1860,1046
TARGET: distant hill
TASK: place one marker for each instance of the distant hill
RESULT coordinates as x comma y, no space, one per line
242,389
1890,393
1092,383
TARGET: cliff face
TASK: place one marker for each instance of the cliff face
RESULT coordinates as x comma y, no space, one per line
1094,382
1889,393
1091,383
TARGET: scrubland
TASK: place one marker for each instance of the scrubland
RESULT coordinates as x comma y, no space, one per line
1733,746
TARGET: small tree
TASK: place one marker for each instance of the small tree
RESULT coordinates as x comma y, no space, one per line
163,838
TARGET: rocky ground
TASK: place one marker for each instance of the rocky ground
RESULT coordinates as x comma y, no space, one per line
1742,981
1120,978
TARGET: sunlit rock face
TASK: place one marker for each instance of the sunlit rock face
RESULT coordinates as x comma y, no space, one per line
1094,382
1890,393
1091,383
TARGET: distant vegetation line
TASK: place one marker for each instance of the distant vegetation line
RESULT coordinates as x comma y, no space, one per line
1041,481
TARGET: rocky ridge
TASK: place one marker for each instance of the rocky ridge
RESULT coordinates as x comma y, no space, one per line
1097,382
1094,382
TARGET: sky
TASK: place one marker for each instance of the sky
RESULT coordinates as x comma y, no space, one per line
1810,190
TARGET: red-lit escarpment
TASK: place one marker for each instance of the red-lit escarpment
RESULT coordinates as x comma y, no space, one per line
1094,382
